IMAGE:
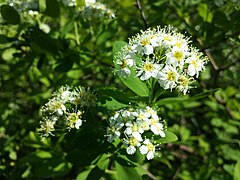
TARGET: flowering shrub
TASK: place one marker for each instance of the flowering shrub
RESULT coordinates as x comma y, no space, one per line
161,54
136,128
66,108
77,103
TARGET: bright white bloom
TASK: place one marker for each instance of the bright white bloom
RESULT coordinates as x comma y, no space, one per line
168,77
44,27
176,57
196,64
148,70
74,119
148,148
154,51
96,11
184,83
55,105
66,108
132,126
133,143
47,127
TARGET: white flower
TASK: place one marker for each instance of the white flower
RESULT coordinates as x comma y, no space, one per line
55,105
112,133
89,2
148,148
148,70
196,64
44,27
47,127
133,130
176,57
184,83
78,123
74,119
133,143
168,77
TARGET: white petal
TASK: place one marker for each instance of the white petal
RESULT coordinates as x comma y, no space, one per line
150,155
137,136
78,124
148,49
162,134
128,131
143,149
131,150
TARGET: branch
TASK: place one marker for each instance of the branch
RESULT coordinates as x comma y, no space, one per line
224,38
144,18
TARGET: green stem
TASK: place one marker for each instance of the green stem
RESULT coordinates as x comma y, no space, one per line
76,33
151,83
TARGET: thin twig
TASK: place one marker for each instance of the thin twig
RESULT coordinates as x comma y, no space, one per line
224,38
144,18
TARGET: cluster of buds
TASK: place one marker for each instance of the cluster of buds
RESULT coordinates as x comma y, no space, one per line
162,54
136,128
66,108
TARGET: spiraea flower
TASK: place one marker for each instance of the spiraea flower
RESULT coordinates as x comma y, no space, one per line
65,109
136,128
161,54
93,10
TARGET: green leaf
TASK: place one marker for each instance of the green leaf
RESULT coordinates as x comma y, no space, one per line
203,94
10,15
64,66
169,137
171,100
136,85
96,173
103,162
175,100
132,82
236,174
117,94
36,156
83,175
117,46
204,12
111,104
52,8
126,173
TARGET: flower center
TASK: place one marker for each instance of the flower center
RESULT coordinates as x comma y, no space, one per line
150,147
148,67
73,117
183,81
153,121
171,76
133,141
134,128
178,55
124,64
145,42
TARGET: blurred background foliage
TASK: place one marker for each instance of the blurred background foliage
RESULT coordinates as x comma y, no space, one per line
57,46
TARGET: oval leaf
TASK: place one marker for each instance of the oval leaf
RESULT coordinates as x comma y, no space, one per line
169,137
10,15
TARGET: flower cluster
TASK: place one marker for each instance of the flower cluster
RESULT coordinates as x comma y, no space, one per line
66,108
28,9
137,128
95,10
162,54
23,5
